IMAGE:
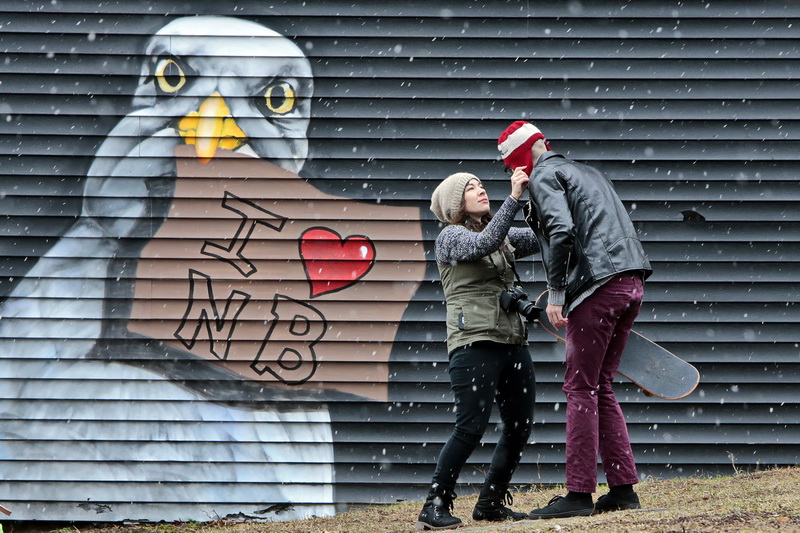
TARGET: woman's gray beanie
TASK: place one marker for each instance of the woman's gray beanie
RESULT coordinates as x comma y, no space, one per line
446,199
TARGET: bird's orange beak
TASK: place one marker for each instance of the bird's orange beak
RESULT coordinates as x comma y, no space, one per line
211,127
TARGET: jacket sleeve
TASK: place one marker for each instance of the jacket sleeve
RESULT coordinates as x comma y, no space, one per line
556,222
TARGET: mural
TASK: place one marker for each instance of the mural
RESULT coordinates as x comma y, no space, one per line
204,275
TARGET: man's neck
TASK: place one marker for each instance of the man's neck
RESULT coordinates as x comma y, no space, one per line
537,153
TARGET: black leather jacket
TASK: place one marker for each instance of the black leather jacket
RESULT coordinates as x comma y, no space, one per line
584,231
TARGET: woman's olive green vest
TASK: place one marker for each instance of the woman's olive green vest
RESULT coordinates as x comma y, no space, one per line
472,290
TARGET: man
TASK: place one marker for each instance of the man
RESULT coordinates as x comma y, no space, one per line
595,268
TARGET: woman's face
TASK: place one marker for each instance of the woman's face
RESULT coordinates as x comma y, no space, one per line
476,202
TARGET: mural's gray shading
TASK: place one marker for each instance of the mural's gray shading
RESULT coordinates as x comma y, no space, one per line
687,106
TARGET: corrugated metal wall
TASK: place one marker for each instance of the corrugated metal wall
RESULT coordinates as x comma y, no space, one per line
690,107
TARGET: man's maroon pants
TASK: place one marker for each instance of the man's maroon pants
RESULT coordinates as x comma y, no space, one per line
597,332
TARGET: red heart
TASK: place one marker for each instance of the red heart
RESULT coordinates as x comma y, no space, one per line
332,263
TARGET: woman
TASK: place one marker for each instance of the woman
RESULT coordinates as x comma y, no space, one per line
487,346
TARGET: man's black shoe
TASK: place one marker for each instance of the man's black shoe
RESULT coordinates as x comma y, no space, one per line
611,502
560,507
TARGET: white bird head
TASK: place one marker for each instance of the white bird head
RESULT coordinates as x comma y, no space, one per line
223,82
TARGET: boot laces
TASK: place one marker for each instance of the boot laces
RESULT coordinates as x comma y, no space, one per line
449,501
446,500
508,499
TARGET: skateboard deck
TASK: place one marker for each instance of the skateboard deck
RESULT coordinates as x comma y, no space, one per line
656,370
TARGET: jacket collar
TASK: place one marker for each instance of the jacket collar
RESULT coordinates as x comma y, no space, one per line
547,155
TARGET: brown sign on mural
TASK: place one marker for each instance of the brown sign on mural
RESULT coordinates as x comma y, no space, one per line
258,271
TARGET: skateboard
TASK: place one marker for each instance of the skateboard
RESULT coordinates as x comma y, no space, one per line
656,370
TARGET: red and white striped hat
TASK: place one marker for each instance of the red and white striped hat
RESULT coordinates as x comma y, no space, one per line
519,135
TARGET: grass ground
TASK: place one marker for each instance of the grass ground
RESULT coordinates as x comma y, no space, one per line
761,501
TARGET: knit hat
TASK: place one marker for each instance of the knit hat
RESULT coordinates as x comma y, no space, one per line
446,199
515,144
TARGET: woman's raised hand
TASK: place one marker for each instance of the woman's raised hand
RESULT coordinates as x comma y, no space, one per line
519,181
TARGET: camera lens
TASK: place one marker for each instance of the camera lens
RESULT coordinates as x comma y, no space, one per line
516,299
528,310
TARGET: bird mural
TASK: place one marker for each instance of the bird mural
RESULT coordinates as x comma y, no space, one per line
189,64
206,279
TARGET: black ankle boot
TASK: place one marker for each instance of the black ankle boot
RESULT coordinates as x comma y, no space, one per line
435,512
490,505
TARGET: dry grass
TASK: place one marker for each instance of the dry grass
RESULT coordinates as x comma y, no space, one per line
746,502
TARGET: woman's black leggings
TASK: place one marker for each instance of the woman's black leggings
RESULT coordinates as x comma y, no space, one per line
480,374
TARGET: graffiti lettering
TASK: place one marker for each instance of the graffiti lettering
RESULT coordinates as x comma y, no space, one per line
304,325
206,315
287,351
251,215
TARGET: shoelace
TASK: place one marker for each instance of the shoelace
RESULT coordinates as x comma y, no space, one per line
508,499
554,499
452,499
448,502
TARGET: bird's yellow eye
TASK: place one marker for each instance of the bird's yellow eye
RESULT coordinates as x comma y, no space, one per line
280,98
169,76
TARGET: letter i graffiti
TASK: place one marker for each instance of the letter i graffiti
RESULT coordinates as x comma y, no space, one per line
252,215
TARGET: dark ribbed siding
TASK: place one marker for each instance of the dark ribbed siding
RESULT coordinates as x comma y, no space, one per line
690,107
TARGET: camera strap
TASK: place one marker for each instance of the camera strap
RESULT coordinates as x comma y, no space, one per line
516,274
506,251
508,258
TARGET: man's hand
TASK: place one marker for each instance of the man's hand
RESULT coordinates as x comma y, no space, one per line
519,181
554,314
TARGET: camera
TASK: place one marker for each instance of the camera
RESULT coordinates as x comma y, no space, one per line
516,300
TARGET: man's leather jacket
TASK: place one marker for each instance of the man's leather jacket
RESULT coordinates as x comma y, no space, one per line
584,231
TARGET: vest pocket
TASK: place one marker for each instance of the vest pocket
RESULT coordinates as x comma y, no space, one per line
474,317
